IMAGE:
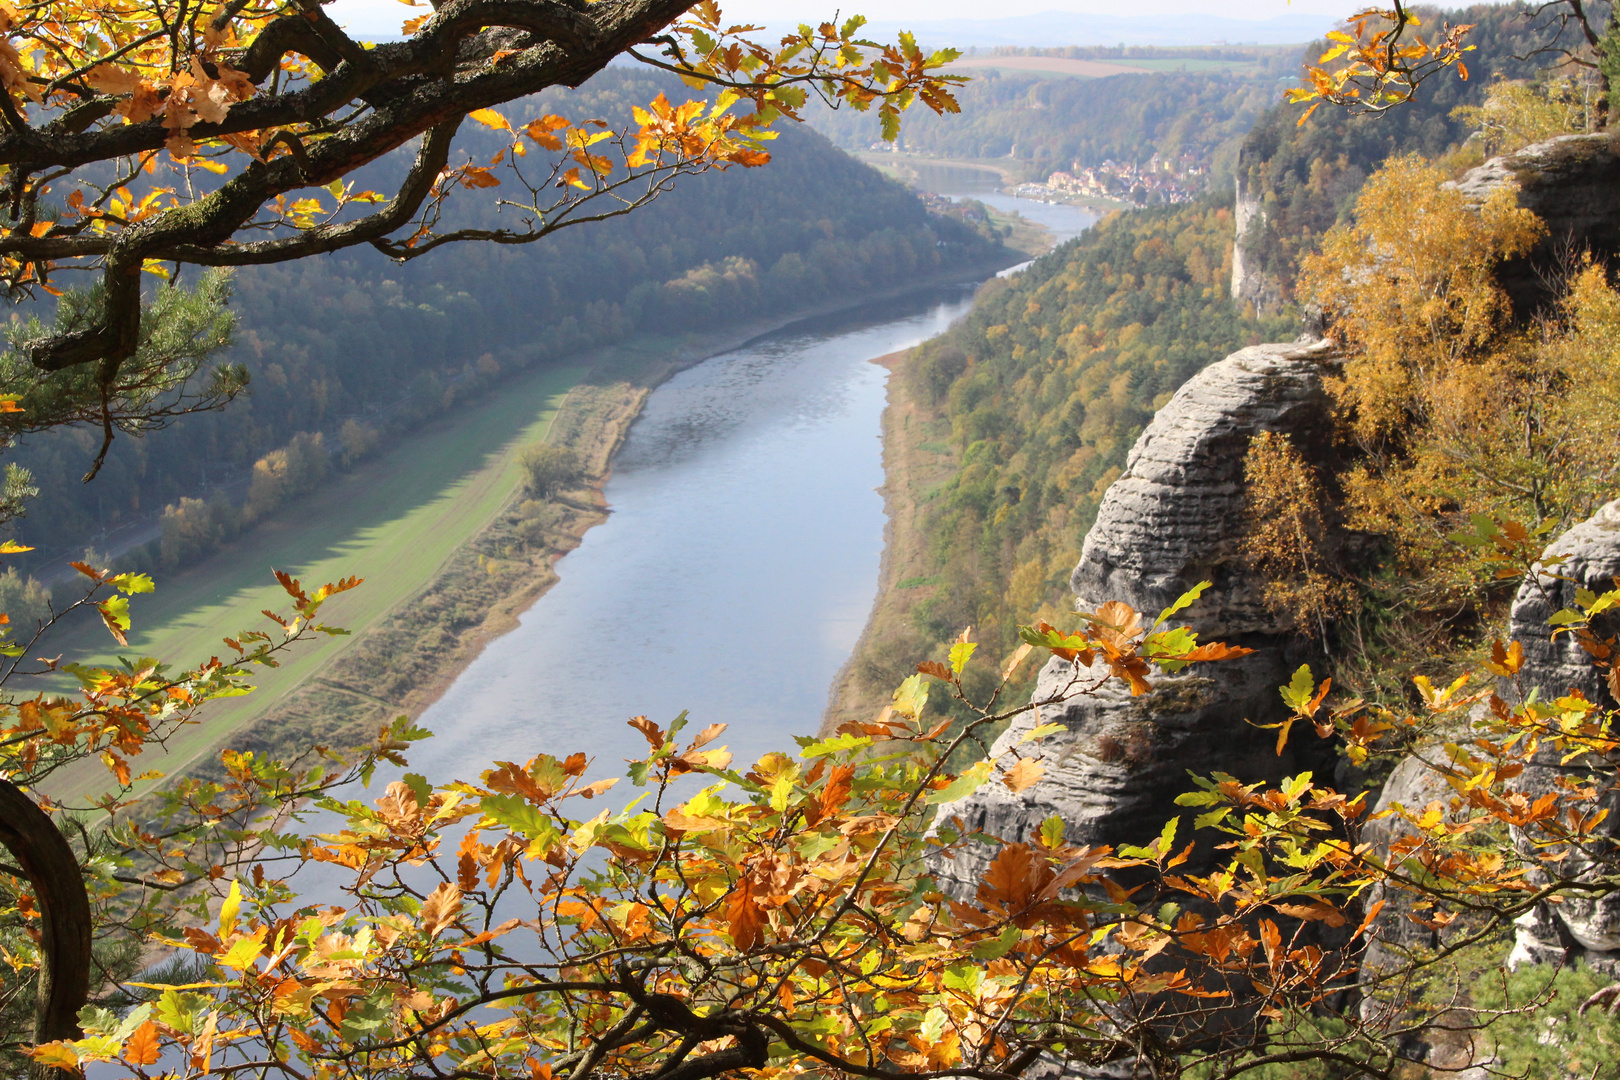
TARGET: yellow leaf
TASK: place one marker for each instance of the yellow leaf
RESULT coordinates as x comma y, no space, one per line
229,910
56,1055
490,119
242,954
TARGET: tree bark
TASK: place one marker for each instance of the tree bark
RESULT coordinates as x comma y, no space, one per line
44,856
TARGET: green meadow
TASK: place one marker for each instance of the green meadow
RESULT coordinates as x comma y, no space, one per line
392,521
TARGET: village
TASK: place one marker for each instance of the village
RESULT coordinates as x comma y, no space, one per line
1159,181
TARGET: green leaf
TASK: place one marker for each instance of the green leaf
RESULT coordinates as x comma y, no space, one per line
1299,691
1185,600
1052,831
970,781
1214,817
675,726
961,652
967,978
126,1028
995,948
419,787
911,697
889,118
838,743
1163,647
1160,846
1040,731
132,583
518,816
179,1010
116,610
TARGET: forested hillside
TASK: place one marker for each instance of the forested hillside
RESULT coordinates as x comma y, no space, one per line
1034,401
1295,182
350,348
1043,124
1026,410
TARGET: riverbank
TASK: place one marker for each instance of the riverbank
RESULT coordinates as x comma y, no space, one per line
917,460
402,657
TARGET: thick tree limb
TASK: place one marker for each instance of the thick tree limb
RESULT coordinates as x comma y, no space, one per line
64,948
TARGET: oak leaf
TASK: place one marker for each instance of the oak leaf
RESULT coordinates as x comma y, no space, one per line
440,909
142,1047
1023,774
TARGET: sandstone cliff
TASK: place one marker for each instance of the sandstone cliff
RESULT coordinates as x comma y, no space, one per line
1172,520
1585,927
1570,183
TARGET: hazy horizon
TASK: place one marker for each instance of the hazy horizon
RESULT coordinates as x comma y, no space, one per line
1017,22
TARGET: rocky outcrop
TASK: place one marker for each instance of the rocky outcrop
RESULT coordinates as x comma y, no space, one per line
1584,927
1174,518
1412,786
1250,284
1573,184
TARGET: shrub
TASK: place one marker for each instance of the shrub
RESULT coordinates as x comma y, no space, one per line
547,469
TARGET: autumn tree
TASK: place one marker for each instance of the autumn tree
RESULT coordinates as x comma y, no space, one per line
547,468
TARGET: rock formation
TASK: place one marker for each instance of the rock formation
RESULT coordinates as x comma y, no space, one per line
1250,283
1412,786
1585,927
1570,183
1174,518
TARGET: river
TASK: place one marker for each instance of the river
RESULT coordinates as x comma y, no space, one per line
736,569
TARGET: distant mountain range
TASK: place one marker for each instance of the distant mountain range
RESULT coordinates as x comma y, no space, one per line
1051,29
1056,29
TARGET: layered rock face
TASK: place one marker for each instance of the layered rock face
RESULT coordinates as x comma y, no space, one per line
1174,518
1587,928
1570,183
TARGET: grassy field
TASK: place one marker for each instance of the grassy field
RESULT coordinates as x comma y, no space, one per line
392,521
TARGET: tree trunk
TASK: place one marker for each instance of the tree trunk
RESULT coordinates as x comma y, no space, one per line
45,858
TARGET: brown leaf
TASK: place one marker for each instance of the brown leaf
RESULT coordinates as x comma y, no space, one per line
1015,876
202,941
468,860
653,733
440,909
707,736
515,780
744,916
936,669
1023,774
836,793
1316,911
1017,658
1120,617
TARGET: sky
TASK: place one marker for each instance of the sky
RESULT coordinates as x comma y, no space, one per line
380,18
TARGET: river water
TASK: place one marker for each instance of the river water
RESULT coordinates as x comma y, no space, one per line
735,572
